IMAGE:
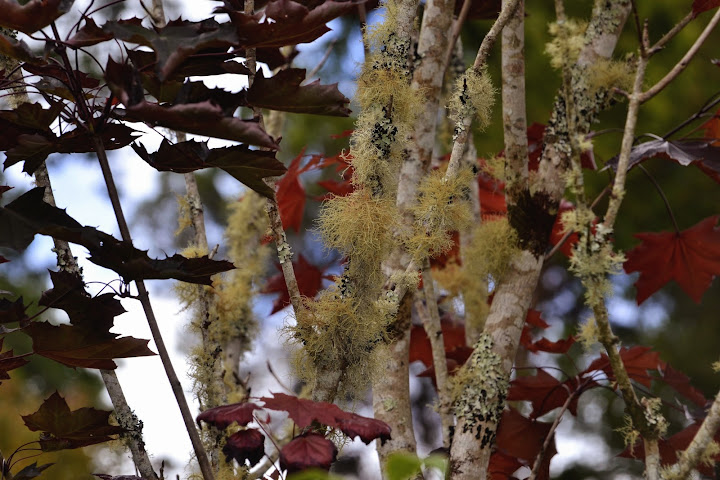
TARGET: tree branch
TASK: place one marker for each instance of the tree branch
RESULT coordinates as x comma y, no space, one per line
680,66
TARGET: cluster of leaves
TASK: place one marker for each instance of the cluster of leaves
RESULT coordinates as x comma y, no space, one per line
310,448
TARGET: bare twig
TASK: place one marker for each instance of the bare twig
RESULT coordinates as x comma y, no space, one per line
680,66
551,432
660,44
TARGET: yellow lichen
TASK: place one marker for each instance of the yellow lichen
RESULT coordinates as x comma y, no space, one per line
474,96
607,73
335,335
629,433
588,334
568,41
485,260
184,220
443,206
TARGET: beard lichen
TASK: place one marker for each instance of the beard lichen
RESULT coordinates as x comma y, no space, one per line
443,206
567,43
478,391
473,96
335,333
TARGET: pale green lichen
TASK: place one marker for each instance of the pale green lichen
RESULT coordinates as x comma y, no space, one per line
567,43
443,206
654,417
479,390
588,334
473,96
629,433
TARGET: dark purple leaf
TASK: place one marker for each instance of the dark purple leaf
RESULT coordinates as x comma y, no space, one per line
308,451
283,92
368,429
63,428
245,445
32,16
226,415
284,22
247,166
29,214
31,471
83,346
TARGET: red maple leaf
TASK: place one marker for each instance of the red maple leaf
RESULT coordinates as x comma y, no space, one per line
669,448
681,384
308,451
304,412
290,194
700,6
368,429
544,392
523,438
309,278
492,197
225,415
712,128
638,360
690,257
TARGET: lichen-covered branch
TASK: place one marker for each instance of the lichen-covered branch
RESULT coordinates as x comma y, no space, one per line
699,446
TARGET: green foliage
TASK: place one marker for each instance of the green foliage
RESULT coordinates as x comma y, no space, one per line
405,466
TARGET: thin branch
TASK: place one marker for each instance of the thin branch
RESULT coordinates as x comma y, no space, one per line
456,30
177,389
691,457
324,58
433,329
484,51
551,432
660,44
680,66
652,458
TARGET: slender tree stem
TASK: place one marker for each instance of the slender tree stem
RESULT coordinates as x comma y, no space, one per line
144,298
549,437
433,329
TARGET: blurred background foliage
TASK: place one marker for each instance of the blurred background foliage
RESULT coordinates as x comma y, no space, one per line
686,334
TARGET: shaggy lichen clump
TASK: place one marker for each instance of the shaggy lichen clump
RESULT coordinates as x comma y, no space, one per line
567,43
443,206
473,97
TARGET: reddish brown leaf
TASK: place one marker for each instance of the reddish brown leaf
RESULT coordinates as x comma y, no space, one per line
223,416
453,337
492,197
681,383
309,279
83,346
691,258
201,118
283,91
63,428
245,445
519,436
247,166
637,360
368,429
308,451
712,128
18,50
174,42
32,16
700,6
502,466
290,196
545,345
12,311
9,362
544,392
669,448
27,215
558,230
284,22
304,412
